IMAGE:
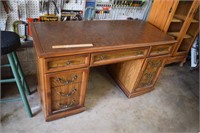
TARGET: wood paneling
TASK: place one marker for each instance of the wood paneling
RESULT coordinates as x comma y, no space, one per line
160,12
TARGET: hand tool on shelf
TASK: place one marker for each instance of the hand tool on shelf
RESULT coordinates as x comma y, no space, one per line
16,28
7,10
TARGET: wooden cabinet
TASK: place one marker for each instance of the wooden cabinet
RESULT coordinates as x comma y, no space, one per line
180,19
62,93
137,77
149,73
66,90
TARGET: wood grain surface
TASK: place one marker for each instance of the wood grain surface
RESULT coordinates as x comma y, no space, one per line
104,35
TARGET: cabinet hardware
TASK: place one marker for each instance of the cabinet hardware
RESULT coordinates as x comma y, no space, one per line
61,106
160,50
68,94
139,52
170,10
102,57
67,81
68,63
156,64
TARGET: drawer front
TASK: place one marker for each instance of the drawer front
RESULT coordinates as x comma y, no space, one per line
161,50
64,97
68,62
150,73
117,56
66,79
65,92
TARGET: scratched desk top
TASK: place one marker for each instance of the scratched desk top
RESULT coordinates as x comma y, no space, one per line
104,35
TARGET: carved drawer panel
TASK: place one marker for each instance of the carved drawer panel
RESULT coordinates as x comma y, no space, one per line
117,56
66,90
66,79
152,68
161,49
64,97
68,62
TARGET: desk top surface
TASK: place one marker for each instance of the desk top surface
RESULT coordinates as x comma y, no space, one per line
104,35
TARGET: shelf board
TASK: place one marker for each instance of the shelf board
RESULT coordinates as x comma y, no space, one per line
176,34
181,18
176,20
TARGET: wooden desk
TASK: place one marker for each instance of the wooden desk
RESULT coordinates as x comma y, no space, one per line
134,51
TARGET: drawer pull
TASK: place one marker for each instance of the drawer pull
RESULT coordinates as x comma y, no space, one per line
155,64
68,63
139,52
61,106
67,81
102,57
68,94
150,75
160,50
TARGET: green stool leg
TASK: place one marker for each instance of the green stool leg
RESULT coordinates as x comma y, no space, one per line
25,86
19,85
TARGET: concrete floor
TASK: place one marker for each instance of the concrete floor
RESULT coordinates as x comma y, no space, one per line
172,107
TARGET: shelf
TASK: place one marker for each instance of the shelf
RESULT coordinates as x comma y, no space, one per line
181,18
176,34
176,20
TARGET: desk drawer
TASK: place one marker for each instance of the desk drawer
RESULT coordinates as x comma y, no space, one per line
161,49
152,68
68,62
66,79
117,56
66,93
64,97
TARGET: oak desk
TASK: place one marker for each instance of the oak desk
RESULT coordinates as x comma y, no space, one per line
134,51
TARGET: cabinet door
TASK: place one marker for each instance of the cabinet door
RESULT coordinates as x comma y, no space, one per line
150,73
66,90
189,30
161,12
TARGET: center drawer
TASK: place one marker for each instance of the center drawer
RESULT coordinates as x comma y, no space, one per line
103,58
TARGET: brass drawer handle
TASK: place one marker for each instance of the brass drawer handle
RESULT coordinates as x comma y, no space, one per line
155,64
67,81
160,50
149,75
61,106
102,57
139,52
68,94
146,84
68,63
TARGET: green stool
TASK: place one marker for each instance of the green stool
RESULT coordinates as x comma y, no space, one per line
10,41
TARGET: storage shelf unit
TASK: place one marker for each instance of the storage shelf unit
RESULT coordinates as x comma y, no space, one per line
180,19
176,34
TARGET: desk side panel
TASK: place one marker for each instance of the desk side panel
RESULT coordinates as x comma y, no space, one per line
40,79
126,73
